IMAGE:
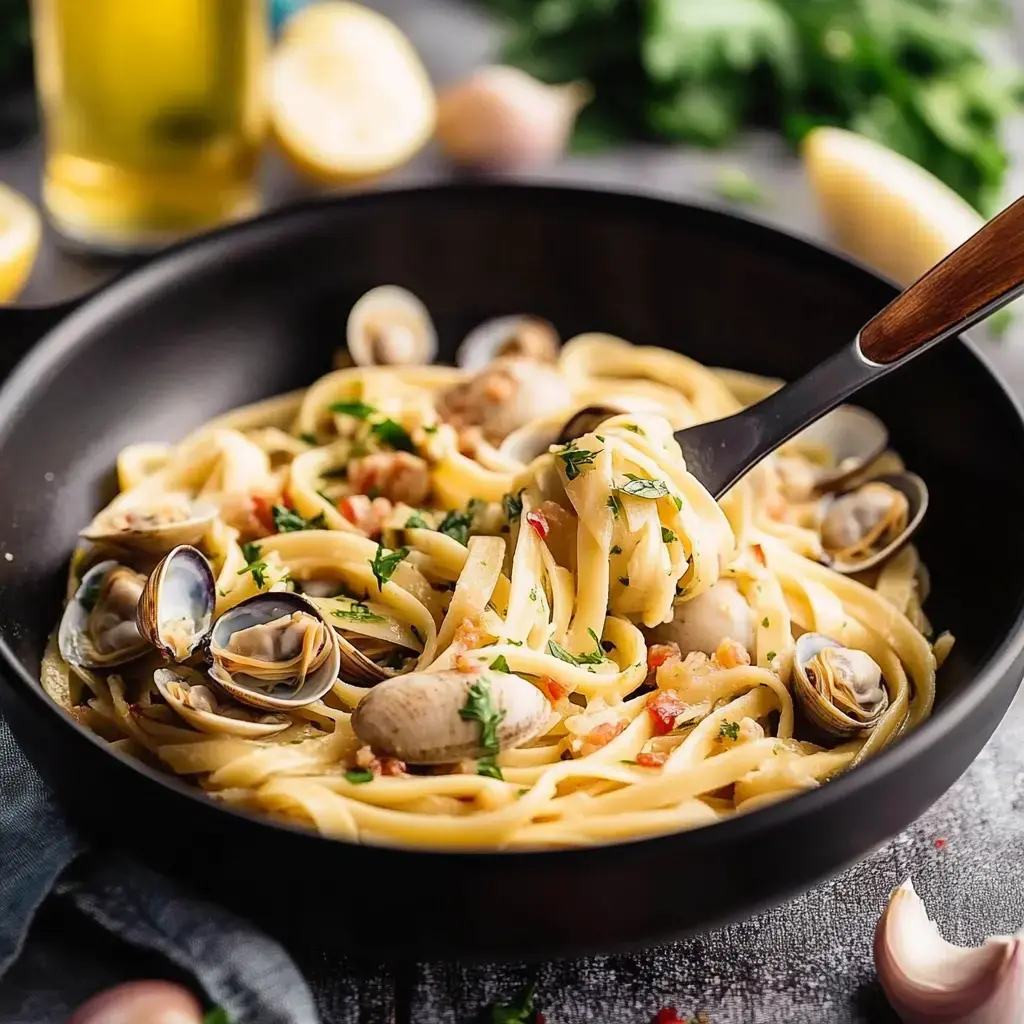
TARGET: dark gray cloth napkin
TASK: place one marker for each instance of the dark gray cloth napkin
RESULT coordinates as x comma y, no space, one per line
237,967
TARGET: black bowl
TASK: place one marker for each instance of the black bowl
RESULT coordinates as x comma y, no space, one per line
260,308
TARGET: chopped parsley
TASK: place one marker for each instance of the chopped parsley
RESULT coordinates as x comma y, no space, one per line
218,1015
634,428
416,522
393,434
615,504
616,550
642,487
730,729
515,643
771,655
533,593
384,566
595,657
89,597
456,525
677,501
250,551
430,428
500,664
308,438
359,775
667,536
358,612
489,767
765,622
574,458
287,520
258,568
512,506
480,707
624,580
360,410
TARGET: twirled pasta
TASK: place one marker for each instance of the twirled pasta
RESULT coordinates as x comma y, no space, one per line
555,569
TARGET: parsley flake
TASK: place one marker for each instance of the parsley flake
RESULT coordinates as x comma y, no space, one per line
416,522
357,776
641,487
771,655
615,504
500,664
456,525
489,767
480,707
574,458
287,520
393,434
730,729
218,1015
765,622
358,612
677,501
309,438
360,410
595,657
512,506
258,569
667,536
634,428
384,566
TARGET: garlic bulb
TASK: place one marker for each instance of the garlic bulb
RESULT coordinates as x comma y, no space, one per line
929,980
502,119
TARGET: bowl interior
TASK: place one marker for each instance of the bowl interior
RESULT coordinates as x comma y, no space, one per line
261,310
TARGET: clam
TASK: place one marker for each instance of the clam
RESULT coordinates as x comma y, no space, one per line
98,627
417,719
840,689
863,527
389,326
518,336
536,437
721,612
853,437
187,693
275,650
176,608
154,526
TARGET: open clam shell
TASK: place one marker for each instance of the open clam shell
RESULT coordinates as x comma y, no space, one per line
853,436
389,326
518,336
536,437
155,526
199,705
175,611
840,690
416,717
98,628
863,527
276,650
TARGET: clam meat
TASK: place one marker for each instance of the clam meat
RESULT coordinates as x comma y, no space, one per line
389,326
417,717
719,613
521,337
98,627
197,703
275,650
840,689
155,526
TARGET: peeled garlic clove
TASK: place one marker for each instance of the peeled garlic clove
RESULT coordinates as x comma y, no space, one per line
503,119
928,980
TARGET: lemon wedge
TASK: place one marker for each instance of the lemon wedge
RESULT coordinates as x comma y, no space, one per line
349,97
883,208
20,231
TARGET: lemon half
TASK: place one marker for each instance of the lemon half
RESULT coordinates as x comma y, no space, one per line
883,208
350,98
20,231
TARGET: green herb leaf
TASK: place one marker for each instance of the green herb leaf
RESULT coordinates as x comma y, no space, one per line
416,522
309,438
764,622
634,428
667,536
640,487
393,434
595,657
358,612
615,504
771,655
480,707
677,501
218,1015
250,551
489,767
512,506
360,410
357,776
735,185
258,570
430,428
575,458
730,729
500,664
456,525
287,520
384,565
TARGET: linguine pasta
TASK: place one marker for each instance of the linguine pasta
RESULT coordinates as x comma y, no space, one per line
399,502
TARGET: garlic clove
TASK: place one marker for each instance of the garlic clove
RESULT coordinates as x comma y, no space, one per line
928,980
501,118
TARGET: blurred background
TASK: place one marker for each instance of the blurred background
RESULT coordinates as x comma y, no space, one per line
885,127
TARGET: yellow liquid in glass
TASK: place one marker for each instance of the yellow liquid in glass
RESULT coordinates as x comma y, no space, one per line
154,115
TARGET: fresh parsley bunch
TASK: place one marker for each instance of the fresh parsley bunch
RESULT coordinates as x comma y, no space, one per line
908,73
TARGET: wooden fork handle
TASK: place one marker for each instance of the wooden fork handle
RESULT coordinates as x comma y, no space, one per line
971,283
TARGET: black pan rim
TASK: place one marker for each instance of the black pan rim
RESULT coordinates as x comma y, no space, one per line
48,354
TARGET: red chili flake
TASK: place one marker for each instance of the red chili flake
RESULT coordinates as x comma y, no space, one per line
759,554
660,653
603,734
347,508
940,843
538,523
553,688
651,760
664,708
391,766
261,509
